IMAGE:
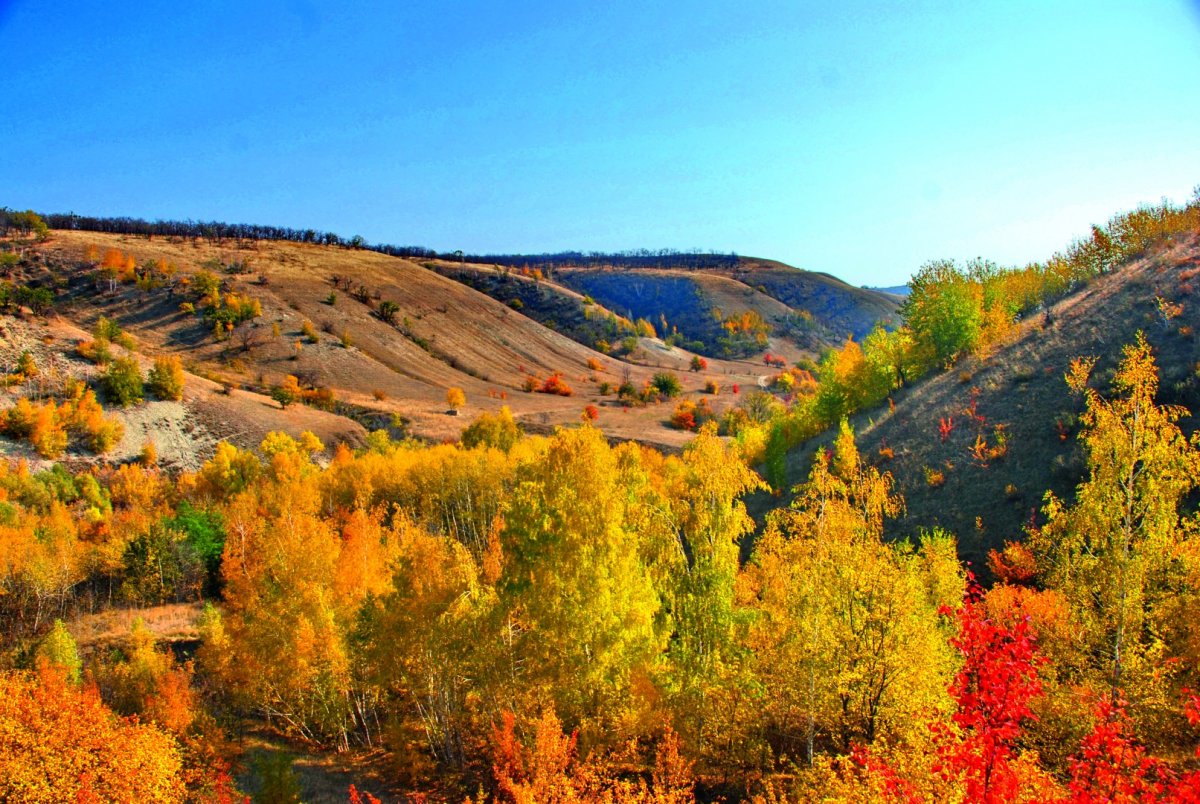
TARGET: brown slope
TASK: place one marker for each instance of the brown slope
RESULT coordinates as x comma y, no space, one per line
470,340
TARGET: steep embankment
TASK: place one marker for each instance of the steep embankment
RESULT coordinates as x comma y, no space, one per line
1018,395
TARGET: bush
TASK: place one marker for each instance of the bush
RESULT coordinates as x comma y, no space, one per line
96,351
123,381
555,384
498,430
310,332
712,387
166,378
666,384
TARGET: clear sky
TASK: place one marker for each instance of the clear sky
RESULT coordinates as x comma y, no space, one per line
856,138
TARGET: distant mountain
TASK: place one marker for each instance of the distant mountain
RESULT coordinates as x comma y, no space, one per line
894,290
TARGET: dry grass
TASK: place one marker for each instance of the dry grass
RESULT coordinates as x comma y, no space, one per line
169,623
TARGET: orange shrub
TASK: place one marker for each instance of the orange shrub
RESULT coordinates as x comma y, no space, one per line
555,384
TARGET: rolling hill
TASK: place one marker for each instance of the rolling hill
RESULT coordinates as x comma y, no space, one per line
804,312
323,321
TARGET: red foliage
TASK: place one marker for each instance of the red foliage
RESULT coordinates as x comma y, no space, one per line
1112,766
945,427
590,413
895,788
998,679
736,388
362,798
555,384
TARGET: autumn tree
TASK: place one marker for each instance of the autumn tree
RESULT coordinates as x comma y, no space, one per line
61,742
1118,553
497,430
123,381
848,637
576,594
165,379
708,668
455,398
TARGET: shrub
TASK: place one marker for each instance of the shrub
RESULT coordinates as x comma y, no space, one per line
96,351
712,387
699,363
498,430
666,384
123,381
104,433
309,332
455,398
165,379
594,364
684,417
25,366
107,329
590,413
555,384
379,395
48,435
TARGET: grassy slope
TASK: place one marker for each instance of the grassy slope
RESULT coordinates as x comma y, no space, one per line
1021,387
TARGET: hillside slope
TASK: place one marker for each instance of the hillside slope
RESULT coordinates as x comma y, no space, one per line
713,308
1020,390
321,321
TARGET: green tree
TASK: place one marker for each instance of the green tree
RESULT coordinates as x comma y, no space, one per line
166,378
59,649
944,311
576,588
497,430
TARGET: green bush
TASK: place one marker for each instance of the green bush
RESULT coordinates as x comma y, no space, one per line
667,384
123,382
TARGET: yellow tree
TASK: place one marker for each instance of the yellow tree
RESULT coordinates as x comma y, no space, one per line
1120,553
707,673
849,640
576,599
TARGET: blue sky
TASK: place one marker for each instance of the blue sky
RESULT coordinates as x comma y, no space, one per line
856,138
